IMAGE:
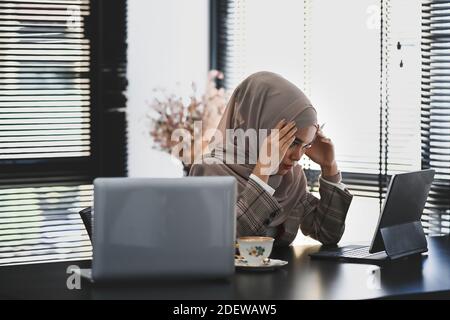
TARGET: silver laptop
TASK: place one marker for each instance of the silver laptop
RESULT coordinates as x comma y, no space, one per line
157,227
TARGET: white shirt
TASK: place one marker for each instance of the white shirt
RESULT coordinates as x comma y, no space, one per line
271,190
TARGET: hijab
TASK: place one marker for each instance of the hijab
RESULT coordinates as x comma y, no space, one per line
260,102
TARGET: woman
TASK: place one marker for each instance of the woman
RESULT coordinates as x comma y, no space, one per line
277,204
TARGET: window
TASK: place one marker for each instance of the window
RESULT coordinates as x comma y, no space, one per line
359,61
327,56
435,115
58,94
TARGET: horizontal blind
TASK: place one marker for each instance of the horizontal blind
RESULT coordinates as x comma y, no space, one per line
44,79
39,220
324,55
344,63
362,73
346,73
435,116
401,86
245,45
230,41
45,125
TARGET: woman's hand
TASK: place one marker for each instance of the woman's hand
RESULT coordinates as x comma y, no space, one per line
322,153
282,138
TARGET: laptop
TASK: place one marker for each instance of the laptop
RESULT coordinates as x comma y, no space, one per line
399,231
156,227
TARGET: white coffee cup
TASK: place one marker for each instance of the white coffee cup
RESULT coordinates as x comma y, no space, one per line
255,249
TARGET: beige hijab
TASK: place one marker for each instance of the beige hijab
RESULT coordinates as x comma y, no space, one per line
260,102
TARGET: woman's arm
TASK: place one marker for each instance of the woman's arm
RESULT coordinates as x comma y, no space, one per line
322,219
255,210
255,207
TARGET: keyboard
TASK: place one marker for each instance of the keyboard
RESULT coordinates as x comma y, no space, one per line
351,252
356,253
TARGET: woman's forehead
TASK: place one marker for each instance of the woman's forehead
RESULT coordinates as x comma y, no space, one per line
306,134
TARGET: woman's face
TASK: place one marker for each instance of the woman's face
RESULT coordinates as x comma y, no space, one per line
304,136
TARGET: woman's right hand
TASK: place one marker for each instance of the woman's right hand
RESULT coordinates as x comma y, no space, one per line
280,138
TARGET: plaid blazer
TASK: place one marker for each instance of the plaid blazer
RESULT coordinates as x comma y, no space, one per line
322,219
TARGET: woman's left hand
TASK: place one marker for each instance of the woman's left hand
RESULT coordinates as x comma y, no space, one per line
322,153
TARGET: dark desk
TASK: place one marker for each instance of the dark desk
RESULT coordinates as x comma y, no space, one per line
303,278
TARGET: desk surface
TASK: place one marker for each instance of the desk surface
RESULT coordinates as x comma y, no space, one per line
302,278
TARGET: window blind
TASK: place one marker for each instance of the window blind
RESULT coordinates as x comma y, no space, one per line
323,54
241,44
45,120
400,92
61,86
44,79
362,73
435,111
39,220
382,49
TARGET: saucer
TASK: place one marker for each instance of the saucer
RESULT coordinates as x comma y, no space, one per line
242,264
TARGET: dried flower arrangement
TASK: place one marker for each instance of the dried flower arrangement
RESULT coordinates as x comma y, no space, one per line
170,113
